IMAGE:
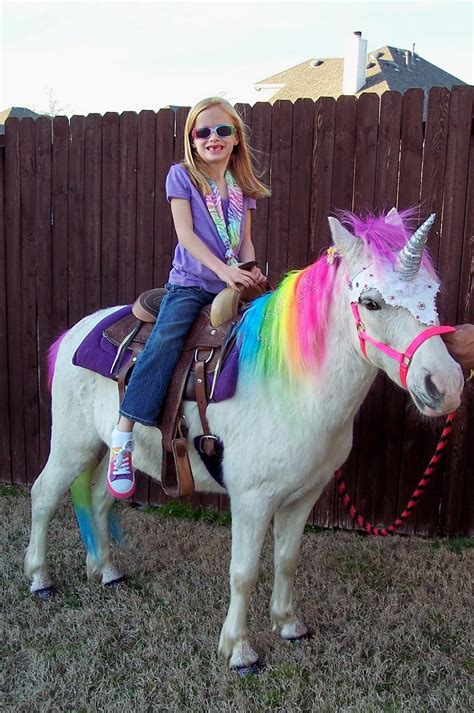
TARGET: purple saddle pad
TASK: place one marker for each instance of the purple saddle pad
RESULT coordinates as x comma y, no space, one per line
97,354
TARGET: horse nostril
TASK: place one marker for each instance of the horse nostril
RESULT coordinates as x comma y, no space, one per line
431,389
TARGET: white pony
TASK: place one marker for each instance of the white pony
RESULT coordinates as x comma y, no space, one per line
306,364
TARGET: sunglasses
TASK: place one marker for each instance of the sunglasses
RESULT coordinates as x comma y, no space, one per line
204,132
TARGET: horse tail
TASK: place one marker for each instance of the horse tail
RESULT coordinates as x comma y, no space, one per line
81,494
52,356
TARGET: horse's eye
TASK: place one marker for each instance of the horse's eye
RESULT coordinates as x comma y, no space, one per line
370,305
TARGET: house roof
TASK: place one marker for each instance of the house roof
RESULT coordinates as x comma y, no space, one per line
18,112
386,70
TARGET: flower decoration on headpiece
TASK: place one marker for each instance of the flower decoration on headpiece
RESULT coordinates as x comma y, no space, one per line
331,255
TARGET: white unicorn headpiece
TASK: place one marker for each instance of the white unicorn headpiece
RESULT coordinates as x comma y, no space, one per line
398,286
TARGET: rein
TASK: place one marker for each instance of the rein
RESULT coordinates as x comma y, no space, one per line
412,503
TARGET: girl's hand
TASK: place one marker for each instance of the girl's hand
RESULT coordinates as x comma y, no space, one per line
235,277
257,275
460,345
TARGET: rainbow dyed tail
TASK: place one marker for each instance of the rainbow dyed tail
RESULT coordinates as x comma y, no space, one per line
81,495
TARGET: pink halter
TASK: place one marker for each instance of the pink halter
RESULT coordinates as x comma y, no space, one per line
403,358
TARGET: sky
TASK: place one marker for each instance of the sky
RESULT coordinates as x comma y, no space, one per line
84,57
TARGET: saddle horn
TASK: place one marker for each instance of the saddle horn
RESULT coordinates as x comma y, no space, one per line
409,258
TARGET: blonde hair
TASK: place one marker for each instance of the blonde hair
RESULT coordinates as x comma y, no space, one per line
240,162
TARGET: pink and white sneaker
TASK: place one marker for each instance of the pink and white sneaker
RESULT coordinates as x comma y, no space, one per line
121,476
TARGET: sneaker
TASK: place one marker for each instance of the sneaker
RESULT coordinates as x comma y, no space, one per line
121,476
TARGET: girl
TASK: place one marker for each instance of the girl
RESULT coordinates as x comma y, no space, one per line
211,193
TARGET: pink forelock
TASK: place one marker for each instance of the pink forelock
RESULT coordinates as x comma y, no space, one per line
314,292
384,240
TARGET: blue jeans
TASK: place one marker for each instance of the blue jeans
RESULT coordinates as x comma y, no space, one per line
152,373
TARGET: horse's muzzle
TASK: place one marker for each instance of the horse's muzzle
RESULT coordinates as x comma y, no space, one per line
434,399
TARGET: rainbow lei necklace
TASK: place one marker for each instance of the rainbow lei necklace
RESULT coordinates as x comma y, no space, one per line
230,234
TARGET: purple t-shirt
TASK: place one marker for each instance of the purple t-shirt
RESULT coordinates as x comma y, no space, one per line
187,270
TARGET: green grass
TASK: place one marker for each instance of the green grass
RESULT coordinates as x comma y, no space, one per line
13,491
458,545
182,510
390,619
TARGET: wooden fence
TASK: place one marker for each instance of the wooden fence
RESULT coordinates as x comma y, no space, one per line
84,224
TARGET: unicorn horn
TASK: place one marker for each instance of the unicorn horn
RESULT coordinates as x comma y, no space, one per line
409,258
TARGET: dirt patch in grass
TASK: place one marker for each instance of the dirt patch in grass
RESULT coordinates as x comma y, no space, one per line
391,623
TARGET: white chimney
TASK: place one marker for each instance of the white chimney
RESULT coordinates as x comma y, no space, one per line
355,60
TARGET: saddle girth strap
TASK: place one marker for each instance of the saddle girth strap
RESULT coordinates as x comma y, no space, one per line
176,477
124,373
207,440
176,472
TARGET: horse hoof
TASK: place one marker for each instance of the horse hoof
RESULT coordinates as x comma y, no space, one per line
117,581
251,670
307,635
46,593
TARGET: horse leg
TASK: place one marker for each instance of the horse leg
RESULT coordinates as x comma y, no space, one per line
55,479
100,565
249,527
288,526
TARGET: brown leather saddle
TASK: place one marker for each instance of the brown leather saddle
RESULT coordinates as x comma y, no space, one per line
206,346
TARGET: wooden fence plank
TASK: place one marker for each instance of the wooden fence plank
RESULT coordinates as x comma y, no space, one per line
59,234
450,263
92,212
413,434
300,183
127,207
388,152
365,152
163,227
344,153
366,459
260,141
390,398
411,148
29,306
180,122
163,231
356,468
15,297
5,435
321,182
145,200
282,119
145,231
342,199
111,251
431,201
434,162
76,242
466,314
44,287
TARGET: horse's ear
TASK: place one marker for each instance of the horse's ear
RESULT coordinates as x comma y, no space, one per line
393,218
346,244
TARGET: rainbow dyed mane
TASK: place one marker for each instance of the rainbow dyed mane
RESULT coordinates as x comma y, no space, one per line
284,332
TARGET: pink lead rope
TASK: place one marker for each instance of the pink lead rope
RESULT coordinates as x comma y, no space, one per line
412,503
